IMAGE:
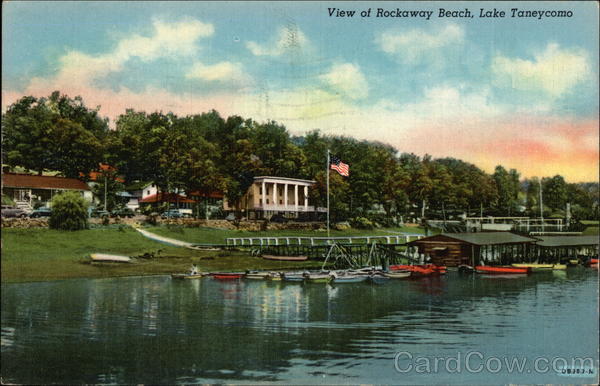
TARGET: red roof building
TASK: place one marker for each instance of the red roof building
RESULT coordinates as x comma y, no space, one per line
30,181
166,197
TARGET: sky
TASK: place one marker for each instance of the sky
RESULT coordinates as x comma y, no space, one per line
517,91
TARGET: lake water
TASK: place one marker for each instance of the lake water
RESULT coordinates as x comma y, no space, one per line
156,330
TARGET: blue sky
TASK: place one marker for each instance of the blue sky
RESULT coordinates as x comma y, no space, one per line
518,91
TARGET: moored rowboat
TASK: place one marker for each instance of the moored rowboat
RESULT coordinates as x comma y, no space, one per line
317,277
418,270
397,274
502,270
348,279
541,267
227,275
256,275
187,276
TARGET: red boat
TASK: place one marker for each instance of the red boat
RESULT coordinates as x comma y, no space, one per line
501,270
420,269
227,275
594,263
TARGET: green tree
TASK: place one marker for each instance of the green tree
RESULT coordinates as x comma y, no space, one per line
554,192
55,133
69,212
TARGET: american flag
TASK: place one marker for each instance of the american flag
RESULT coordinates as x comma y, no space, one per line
340,167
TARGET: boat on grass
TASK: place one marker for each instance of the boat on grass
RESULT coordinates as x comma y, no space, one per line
541,267
285,258
493,270
106,258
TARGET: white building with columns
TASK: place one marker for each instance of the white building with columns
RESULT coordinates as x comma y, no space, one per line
271,195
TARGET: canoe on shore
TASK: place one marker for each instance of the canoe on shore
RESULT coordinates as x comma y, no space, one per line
285,258
502,270
103,257
183,276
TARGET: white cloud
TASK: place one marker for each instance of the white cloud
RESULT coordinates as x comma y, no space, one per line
554,70
412,45
219,72
174,39
288,38
347,78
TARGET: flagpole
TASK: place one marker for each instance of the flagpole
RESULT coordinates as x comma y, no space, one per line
328,167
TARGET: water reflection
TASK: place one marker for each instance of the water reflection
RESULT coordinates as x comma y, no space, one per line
155,330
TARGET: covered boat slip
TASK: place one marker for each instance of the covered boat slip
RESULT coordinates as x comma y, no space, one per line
504,248
482,248
565,248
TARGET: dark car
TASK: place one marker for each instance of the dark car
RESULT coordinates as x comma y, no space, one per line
13,212
122,212
99,213
41,212
172,213
278,218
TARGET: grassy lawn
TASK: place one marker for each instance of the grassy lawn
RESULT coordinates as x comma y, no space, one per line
592,230
218,236
42,254
590,222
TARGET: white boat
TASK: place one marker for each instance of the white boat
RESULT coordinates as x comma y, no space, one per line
103,257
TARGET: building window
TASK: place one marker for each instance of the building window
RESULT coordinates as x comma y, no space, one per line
147,192
280,202
260,201
267,200
260,190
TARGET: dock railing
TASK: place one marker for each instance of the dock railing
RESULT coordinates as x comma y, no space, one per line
305,240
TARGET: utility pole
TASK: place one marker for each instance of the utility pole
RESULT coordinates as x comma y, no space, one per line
541,206
105,191
328,166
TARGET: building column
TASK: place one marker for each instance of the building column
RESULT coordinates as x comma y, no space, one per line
296,197
285,195
275,193
306,198
263,195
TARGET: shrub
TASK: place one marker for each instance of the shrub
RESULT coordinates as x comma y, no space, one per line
361,223
69,212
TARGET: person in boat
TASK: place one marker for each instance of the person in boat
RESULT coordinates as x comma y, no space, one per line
194,270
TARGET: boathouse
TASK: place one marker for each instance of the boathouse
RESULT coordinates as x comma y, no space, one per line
454,249
554,249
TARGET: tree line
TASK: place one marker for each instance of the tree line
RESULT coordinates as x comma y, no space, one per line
209,152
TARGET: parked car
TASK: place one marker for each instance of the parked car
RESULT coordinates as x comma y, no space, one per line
8,211
279,218
13,212
41,212
98,212
122,212
172,213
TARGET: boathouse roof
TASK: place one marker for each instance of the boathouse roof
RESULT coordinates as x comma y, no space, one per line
479,238
567,241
